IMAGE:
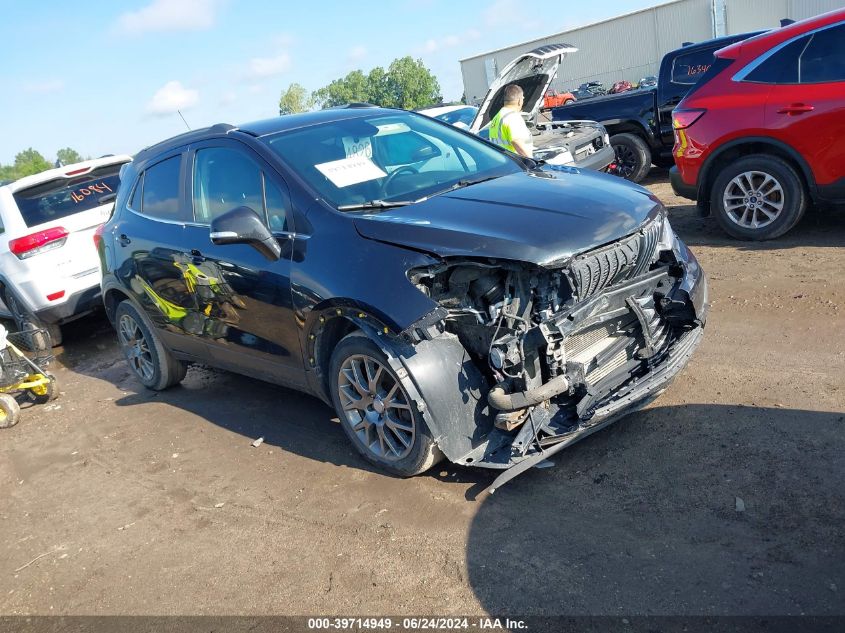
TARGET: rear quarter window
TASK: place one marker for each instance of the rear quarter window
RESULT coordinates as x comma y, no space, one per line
61,198
687,69
159,190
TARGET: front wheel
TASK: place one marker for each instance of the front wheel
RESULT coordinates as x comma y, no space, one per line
10,411
633,157
150,361
758,197
375,410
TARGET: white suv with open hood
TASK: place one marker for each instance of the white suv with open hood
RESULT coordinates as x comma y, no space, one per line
574,143
49,268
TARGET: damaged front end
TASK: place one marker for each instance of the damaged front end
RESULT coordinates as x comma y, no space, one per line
551,352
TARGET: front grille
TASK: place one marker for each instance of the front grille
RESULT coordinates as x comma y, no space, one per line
630,257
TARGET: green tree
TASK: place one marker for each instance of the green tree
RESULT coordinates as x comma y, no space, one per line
68,156
411,84
295,99
7,172
378,88
353,87
406,83
30,162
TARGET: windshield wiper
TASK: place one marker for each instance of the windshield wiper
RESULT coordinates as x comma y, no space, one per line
375,204
464,183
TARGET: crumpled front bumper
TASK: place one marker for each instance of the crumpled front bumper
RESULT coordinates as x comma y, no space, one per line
630,398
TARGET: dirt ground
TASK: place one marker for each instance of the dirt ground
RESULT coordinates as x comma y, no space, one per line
118,500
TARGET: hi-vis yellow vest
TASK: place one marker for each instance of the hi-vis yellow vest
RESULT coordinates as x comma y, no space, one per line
500,131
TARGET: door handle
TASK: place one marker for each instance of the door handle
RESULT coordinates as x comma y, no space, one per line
124,240
796,108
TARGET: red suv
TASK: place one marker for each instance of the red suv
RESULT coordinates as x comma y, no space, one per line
763,132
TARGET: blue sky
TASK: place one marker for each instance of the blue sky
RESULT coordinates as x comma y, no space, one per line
107,77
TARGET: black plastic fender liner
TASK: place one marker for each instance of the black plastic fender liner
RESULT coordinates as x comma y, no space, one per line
446,385
503,401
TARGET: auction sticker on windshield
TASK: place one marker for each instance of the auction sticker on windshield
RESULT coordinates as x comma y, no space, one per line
350,171
354,147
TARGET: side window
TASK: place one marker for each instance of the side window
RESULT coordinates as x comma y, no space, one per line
225,179
135,202
160,194
278,205
781,67
824,58
816,58
688,69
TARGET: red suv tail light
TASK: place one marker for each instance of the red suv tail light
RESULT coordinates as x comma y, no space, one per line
40,242
682,119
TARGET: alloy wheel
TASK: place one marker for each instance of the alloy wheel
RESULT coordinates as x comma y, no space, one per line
753,199
626,161
136,347
376,407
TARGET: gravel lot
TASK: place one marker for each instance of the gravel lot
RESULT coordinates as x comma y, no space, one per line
156,503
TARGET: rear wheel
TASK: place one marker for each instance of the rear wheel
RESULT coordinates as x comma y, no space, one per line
568,101
633,157
375,410
758,197
150,361
10,411
24,321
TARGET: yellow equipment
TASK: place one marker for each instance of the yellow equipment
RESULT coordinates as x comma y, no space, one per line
23,376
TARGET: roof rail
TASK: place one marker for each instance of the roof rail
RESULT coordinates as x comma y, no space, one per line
354,104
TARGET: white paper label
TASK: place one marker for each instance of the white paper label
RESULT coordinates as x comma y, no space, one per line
350,171
355,147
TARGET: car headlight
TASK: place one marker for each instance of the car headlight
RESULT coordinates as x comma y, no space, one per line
668,240
555,156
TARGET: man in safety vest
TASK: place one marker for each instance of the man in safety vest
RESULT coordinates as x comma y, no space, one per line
508,129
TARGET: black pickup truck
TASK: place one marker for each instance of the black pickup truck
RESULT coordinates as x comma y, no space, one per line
640,121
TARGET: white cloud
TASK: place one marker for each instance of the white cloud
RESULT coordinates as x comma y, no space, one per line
171,97
170,15
44,87
450,41
357,53
228,98
263,67
511,14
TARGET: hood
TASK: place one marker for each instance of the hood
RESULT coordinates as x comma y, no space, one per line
540,219
533,71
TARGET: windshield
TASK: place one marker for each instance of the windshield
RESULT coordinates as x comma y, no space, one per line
396,157
463,117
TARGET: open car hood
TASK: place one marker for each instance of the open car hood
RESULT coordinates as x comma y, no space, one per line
533,71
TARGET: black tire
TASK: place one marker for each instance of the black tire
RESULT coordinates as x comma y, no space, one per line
149,360
633,156
788,191
568,101
51,394
26,321
420,452
10,411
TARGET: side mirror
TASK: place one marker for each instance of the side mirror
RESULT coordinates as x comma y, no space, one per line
243,226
